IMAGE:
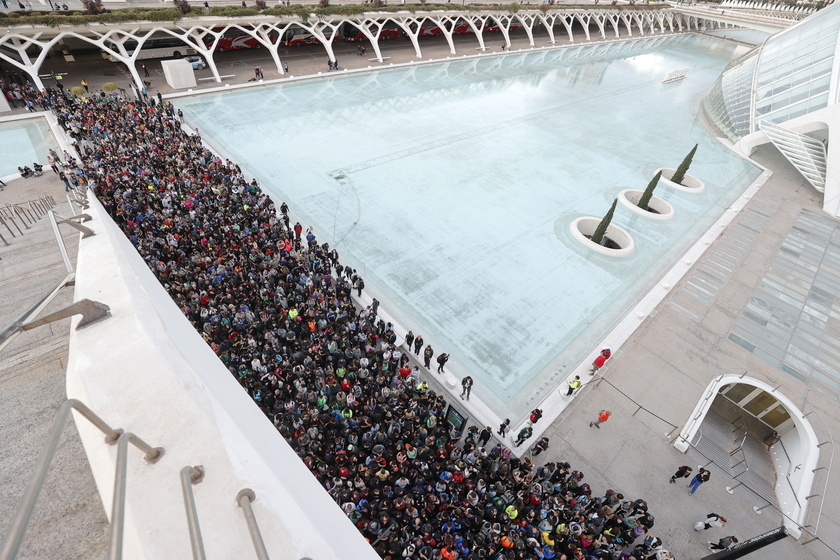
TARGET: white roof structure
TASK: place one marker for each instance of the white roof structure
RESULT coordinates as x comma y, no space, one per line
786,92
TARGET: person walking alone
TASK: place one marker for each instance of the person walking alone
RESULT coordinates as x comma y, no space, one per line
524,434
535,416
574,385
441,360
723,544
682,472
504,427
712,520
418,344
603,416
702,476
466,387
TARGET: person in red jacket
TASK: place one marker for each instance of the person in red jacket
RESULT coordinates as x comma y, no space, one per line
600,360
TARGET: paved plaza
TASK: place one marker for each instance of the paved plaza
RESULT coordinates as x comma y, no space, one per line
662,372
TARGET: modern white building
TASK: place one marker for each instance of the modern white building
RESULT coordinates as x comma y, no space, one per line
786,92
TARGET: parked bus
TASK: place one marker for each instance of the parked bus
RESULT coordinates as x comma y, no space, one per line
298,36
429,29
390,31
233,39
491,26
153,48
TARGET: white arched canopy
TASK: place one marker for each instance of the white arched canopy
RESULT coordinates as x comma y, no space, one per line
802,445
27,50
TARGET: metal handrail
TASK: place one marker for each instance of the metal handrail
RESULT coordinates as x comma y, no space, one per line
152,455
20,521
828,472
10,331
14,328
190,476
60,242
243,500
14,223
91,311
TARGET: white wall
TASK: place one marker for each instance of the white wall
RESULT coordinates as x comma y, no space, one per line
146,370
787,456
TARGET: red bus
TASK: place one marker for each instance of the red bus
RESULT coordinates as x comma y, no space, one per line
233,39
491,27
352,34
429,29
298,37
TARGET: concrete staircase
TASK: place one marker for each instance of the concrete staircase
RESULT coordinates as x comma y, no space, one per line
69,520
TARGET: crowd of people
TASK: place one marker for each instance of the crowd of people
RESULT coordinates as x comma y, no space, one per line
275,305
19,93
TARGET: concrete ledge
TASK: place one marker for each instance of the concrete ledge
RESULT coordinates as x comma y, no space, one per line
146,370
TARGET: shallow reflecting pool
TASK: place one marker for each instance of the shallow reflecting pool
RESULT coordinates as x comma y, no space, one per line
451,186
23,142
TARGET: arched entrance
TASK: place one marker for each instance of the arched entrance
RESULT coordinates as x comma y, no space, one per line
795,451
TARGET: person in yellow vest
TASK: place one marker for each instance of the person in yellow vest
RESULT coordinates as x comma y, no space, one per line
574,385
85,85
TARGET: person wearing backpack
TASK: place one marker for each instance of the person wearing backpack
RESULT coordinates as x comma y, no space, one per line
712,520
441,360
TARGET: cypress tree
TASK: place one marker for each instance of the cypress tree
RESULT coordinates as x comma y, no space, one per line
679,174
646,196
598,236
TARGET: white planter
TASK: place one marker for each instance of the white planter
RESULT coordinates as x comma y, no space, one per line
586,226
690,183
629,198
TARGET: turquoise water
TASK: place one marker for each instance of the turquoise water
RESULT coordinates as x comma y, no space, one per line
451,187
24,142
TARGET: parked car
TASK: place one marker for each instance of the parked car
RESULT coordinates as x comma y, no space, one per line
197,62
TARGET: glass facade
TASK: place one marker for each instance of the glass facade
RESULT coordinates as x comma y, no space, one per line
789,76
728,104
